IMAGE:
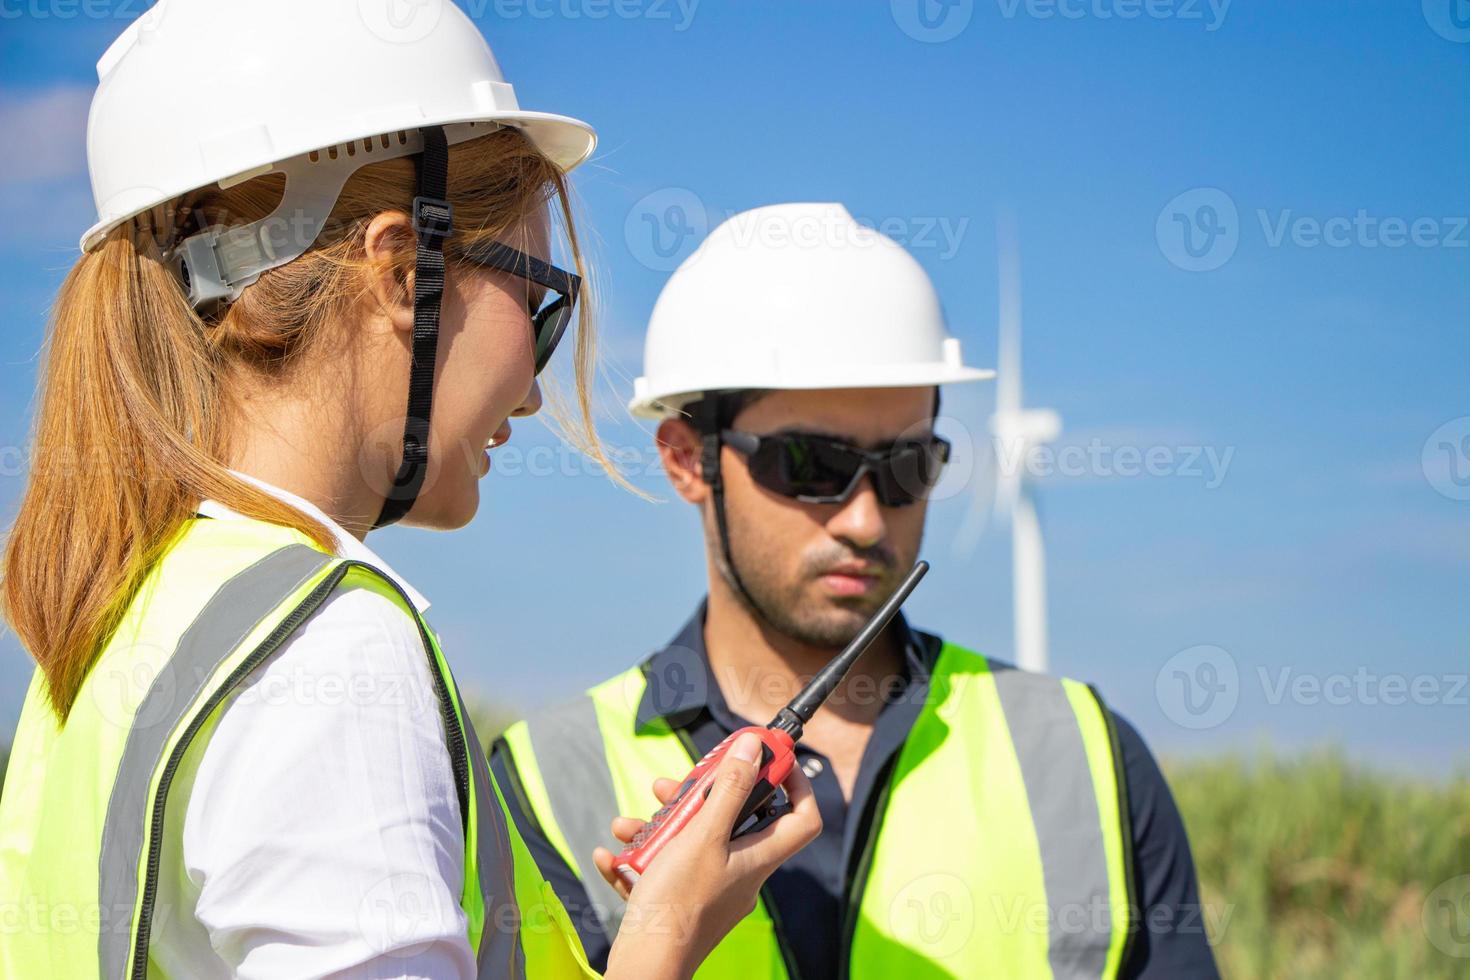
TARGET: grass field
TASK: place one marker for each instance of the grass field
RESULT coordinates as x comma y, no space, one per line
1312,868
1321,870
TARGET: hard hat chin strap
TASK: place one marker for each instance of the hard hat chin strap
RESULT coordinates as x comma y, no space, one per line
711,424
433,222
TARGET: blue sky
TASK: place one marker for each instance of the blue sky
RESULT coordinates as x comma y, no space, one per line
1243,234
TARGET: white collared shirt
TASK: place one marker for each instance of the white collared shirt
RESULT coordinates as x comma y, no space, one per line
347,545
322,834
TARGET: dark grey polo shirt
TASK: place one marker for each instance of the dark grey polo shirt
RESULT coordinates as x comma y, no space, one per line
809,891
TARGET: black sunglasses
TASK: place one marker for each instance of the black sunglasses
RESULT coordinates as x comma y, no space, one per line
550,322
819,469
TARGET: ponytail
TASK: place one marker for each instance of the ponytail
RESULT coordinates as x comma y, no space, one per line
136,392
127,443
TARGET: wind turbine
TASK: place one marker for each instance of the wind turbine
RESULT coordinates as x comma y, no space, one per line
1019,434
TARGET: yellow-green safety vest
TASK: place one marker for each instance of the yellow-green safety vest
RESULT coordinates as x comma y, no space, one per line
999,847
82,817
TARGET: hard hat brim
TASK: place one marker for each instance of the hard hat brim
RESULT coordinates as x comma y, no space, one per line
565,141
660,404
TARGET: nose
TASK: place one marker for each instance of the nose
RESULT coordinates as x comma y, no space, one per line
859,521
532,403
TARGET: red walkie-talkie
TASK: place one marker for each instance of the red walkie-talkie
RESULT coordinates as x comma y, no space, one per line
778,747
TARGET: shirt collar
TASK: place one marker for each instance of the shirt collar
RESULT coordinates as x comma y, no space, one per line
347,546
681,684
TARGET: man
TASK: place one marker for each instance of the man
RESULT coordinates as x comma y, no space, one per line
978,820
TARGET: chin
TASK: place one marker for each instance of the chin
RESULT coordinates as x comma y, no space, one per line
447,511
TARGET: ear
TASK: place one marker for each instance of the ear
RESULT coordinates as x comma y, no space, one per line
680,447
390,246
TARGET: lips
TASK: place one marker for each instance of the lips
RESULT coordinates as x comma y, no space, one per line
849,585
856,570
501,436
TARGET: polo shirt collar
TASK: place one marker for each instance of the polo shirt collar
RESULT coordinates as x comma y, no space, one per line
681,684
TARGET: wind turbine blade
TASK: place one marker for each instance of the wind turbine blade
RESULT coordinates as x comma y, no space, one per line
1008,359
1028,570
983,474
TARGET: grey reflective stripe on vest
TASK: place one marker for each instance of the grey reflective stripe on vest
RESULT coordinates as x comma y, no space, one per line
238,607
501,953
573,762
1058,780
231,613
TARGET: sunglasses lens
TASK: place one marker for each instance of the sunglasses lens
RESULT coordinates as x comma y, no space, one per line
911,472
802,466
550,324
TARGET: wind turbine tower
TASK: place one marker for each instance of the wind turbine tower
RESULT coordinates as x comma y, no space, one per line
1019,433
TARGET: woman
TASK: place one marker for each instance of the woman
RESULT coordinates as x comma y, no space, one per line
243,753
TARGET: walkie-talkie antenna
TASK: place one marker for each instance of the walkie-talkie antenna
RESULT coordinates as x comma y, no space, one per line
795,715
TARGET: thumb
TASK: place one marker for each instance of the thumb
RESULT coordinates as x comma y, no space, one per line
733,780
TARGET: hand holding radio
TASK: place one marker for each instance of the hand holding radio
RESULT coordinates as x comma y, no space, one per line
706,882
711,877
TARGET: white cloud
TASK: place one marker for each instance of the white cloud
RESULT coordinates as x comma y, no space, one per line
45,135
45,198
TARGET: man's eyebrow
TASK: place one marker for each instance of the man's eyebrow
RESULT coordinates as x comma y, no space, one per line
803,430
800,430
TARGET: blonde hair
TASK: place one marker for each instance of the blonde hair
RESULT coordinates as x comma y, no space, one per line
131,429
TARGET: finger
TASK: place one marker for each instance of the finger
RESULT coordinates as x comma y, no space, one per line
665,789
798,788
604,860
625,828
733,780
789,833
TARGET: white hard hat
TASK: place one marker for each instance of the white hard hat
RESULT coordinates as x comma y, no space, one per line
796,296
202,92
196,92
